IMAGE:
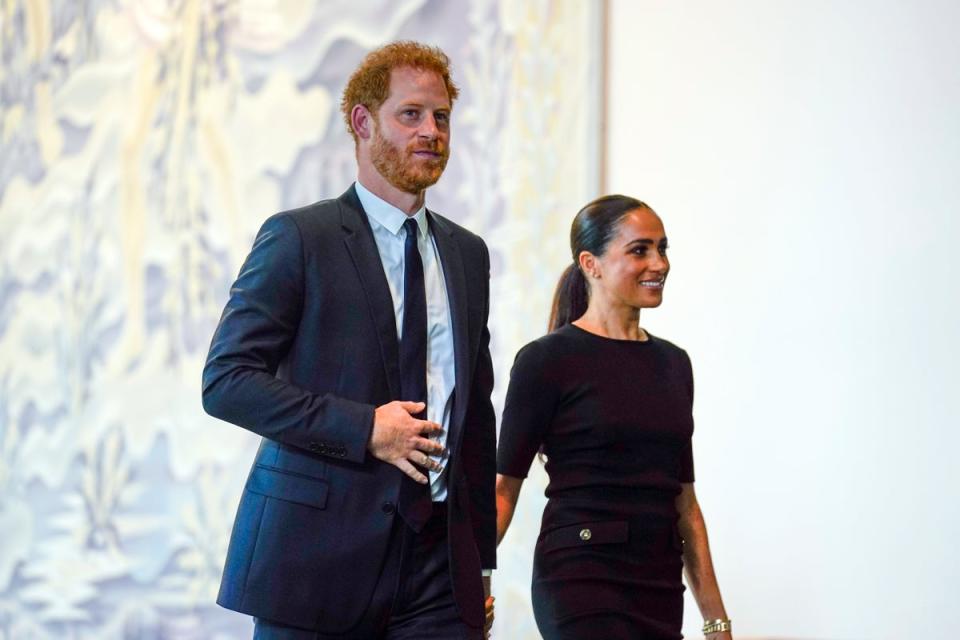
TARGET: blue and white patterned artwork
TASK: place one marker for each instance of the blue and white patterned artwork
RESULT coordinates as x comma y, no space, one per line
142,143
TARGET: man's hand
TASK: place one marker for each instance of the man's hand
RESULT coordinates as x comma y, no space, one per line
401,439
488,606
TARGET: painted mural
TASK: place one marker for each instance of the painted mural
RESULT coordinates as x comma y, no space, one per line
142,143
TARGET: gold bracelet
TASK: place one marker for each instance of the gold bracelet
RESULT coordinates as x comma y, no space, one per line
715,626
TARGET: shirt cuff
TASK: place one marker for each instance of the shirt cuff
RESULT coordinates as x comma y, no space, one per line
486,573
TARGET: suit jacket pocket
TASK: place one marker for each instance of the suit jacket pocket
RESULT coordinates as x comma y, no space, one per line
585,534
267,481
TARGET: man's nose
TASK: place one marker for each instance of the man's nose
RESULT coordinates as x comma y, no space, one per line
428,128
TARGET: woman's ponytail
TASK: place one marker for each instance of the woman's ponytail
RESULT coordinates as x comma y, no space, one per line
570,298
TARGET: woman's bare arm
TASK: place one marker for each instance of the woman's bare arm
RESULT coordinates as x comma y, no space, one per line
697,563
508,491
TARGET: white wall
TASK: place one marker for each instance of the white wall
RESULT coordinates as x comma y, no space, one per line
805,157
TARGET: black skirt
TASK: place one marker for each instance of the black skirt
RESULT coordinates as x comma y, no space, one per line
609,579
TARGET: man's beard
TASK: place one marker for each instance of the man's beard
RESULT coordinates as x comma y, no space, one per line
402,169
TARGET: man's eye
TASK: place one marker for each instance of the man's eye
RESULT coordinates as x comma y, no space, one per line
442,117
640,251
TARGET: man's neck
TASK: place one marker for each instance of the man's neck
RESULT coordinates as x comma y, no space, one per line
376,184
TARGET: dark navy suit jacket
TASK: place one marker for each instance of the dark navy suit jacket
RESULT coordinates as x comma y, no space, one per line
306,349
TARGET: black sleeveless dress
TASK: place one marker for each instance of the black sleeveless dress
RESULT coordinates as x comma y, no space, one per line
614,419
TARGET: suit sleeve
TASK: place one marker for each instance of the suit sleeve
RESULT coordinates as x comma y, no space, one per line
255,333
479,452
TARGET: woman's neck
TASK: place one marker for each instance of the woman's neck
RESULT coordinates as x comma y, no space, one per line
620,324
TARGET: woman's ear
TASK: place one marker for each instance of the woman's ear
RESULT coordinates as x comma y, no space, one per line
589,264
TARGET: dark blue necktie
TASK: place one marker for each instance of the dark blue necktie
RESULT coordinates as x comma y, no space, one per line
415,504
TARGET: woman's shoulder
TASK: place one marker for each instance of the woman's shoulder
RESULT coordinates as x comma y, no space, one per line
670,350
665,344
566,337
554,345
552,360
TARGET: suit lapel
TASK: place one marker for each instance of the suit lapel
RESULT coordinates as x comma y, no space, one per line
451,261
366,259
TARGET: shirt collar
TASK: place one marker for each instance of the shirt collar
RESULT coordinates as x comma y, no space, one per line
385,214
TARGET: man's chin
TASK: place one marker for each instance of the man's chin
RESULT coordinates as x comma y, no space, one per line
427,168
416,184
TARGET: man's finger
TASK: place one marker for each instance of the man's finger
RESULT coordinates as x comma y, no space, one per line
430,446
412,407
422,459
404,465
430,427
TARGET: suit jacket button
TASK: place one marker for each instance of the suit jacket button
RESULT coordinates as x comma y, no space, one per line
388,508
585,534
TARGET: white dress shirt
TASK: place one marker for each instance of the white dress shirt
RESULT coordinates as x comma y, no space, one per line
386,221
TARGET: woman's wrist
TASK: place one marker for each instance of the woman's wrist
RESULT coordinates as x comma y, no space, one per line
716,625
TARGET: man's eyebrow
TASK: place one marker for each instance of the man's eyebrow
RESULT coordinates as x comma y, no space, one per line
420,105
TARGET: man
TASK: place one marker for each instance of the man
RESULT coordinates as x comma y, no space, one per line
355,342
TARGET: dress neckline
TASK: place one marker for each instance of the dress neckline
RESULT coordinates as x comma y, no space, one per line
596,336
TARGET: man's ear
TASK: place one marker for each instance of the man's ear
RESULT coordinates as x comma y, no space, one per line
362,121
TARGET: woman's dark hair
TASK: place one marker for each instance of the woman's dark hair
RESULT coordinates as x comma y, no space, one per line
592,229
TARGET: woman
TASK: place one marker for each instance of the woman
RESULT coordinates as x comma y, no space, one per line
610,407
